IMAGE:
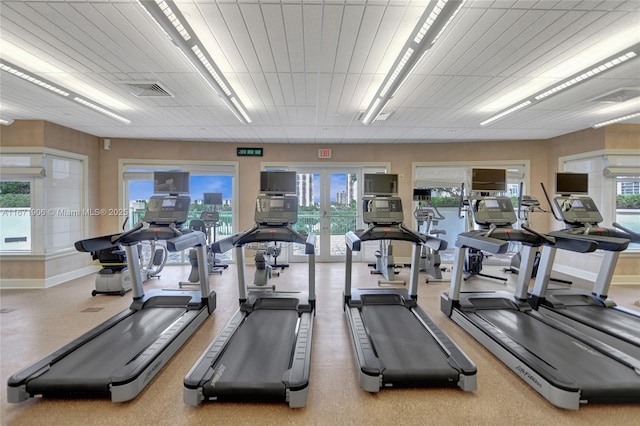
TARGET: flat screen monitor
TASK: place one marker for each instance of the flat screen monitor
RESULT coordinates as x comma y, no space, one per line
380,184
421,194
170,182
278,182
213,198
572,183
488,180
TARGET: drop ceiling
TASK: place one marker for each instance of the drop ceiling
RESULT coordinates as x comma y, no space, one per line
306,70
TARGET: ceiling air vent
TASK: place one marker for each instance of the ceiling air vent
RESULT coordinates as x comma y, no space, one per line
381,117
620,95
146,89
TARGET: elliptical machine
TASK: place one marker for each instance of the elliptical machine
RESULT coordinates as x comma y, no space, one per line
528,204
474,257
264,269
208,222
426,216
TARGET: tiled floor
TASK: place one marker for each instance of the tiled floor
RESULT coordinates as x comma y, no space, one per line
36,322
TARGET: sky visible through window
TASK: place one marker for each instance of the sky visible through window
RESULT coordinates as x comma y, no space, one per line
198,185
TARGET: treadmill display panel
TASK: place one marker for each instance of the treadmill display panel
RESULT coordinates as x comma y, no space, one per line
383,210
163,210
578,210
493,210
276,210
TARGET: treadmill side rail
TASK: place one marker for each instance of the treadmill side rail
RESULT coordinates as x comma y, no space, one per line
202,371
297,377
457,358
562,397
370,369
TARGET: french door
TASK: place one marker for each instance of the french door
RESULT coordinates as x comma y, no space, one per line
328,207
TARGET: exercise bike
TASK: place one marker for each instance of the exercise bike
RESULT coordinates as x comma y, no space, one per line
115,278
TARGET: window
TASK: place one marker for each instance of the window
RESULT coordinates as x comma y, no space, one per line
203,178
15,215
446,183
614,184
43,190
63,188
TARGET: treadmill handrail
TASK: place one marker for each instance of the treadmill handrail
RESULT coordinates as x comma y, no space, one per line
635,237
604,242
476,240
397,232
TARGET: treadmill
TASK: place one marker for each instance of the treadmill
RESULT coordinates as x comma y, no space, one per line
394,341
264,352
118,358
590,311
566,366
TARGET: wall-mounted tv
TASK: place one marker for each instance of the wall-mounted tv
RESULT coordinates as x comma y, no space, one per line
213,198
380,184
171,182
488,180
278,182
572,183
421,194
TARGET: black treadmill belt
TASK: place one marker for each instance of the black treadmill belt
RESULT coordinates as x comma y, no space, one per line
600,378
256,357
407,350
608,320
89,368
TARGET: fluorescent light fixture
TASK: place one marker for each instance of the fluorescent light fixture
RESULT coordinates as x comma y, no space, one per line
578,78
588,74
101,109
58,90
171,16
506,112
168,17
6,121
435,18
616,120
25,75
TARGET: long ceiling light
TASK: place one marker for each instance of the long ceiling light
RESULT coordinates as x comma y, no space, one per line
59,90
175,25
580,77
616,120
436,17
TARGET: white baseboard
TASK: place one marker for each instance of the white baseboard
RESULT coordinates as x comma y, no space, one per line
22,283
591,276
575,272
625,280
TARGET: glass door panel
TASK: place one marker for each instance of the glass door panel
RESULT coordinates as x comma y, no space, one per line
328,208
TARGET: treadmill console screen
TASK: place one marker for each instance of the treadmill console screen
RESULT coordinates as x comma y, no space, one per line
382,210
493,210
578,210
276,209
164,210
168,203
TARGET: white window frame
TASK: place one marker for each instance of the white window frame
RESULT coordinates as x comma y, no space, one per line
37,171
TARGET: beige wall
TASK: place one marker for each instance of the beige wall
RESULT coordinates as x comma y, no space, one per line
29,133
103,165
401,157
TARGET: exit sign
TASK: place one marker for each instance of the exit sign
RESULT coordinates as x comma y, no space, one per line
324,153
